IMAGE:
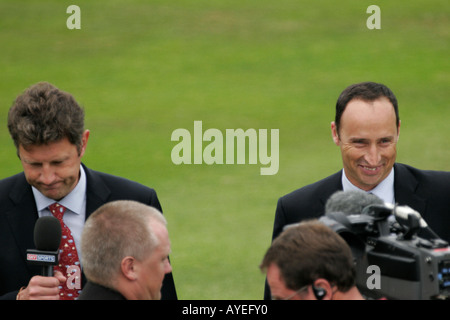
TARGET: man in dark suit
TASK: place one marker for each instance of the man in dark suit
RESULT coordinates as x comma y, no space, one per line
366,128
47,127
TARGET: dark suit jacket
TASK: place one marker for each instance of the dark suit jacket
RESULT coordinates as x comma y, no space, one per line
428,192
93,291
18,215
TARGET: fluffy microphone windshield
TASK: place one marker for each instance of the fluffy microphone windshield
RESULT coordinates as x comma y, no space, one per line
47,234
350,202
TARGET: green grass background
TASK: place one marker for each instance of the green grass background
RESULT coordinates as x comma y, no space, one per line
143,68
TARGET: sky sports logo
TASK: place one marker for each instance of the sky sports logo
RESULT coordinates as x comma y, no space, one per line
41,257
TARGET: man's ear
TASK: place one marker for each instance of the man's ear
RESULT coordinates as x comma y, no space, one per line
128,268
334,133
322,289
84,141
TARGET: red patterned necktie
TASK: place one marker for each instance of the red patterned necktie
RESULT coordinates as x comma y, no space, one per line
69,263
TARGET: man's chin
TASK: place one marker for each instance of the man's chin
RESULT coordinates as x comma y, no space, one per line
52,193
369,184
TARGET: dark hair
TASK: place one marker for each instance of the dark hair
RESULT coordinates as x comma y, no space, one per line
309,251
367,91
45,114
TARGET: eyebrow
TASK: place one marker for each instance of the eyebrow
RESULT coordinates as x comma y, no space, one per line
31,161
355,139
358,139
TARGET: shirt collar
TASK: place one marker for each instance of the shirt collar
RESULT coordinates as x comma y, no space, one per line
384,190
73,201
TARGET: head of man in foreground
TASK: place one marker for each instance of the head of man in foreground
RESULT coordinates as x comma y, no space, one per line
309,261
125,248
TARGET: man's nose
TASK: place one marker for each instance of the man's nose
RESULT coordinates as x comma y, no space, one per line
47,174
373,155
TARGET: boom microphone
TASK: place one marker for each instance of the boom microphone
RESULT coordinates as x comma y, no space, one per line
350,202
342,206
47,237
343,215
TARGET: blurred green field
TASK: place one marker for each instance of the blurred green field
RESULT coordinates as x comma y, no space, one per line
143,68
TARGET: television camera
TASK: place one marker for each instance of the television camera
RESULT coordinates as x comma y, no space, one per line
413,262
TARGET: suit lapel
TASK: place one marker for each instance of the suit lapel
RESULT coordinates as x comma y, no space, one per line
23,215
97,192
405,186
331,186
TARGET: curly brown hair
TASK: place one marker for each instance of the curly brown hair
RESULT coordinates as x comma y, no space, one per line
43,114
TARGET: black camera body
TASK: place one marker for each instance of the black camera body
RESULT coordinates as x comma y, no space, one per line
396,255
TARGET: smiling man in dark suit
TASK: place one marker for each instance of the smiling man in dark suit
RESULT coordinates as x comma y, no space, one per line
366,129
47,127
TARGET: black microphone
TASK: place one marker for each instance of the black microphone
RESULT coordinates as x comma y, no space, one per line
47,237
